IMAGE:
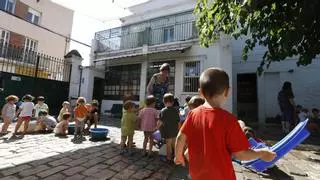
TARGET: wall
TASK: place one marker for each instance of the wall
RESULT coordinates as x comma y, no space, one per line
48,42
88,76
305,81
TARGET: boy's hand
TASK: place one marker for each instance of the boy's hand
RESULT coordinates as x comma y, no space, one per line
179,160
267,155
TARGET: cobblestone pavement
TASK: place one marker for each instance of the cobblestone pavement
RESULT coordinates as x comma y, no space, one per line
44,156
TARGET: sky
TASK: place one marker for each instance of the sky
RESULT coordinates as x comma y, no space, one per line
92,16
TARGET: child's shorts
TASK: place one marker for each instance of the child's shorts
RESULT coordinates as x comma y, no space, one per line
148,133
26,118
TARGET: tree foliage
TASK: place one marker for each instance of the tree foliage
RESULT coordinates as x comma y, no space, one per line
288,28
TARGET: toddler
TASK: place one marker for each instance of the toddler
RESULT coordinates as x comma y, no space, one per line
62,126
64,109
314,122
184,112
46,121
213,134
148,123
25,113
128,123
40,106
8,112
93,115
80,114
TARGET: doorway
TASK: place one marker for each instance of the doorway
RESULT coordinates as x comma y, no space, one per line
247,100
98,90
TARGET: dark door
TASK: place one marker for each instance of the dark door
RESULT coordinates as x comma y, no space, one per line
98,89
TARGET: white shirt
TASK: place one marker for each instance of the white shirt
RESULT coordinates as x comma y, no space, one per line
302,116
39,107
9,110
27,108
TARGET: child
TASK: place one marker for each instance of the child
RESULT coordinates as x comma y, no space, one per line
213,134
314,123
25,113
40,106
148,123
46,122
62,126
64,109
93,115
8,112
169,122
184,112
303,113
80,114
128,123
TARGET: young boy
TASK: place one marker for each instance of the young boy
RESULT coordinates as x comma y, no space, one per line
80,114
64,109
8,112
46,122
25,113
40,106
169,122
93,115
128,123
62,126
213,134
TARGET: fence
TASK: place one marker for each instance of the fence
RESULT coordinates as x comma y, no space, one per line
23,61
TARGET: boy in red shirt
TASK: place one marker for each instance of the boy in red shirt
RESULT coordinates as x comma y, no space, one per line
213,135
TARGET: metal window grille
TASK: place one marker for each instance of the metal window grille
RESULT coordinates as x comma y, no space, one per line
192,72
122,80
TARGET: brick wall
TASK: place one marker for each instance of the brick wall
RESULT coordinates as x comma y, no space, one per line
16,39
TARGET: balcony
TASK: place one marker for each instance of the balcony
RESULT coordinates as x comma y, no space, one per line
154,34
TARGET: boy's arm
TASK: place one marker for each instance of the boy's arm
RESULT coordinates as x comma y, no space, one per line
179,148
250,154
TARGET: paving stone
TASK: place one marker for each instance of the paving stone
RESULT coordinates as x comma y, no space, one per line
14,170
74,170
94,155
93,162
125,174
75,177
55,177
110,155
52,171
77,162
104,174
60,161
141,174
251,176
153,167
119,166
41,161
113,160
94,169
9,178
30,178
33,170
239,176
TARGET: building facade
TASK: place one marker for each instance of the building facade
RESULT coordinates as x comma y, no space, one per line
255,97
36,25
157,32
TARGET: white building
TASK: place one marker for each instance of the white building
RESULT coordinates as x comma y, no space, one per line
255,98
159,31
36,25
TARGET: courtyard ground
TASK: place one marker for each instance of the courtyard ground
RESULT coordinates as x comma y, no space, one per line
44,156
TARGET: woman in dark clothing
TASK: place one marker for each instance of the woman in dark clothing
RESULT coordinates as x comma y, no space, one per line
287,106
159,85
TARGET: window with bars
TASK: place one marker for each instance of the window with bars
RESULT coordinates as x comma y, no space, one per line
153,68
168,34
4,41
122,80
8,5
30,50
192,72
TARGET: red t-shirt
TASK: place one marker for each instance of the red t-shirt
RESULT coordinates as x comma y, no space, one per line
213,135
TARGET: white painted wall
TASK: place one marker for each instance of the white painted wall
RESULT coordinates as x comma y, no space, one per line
87,82
305,81
54,17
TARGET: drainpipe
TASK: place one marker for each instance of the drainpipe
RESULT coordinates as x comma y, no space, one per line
80,82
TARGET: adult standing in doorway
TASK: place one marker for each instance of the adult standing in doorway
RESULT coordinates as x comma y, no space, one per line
159,85
287,106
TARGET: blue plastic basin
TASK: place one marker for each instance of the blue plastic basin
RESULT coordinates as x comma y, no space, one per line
99,133
156,135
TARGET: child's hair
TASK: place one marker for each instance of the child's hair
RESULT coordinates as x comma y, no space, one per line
168,98
65,102
40,98
43,113
188,99
66,115
95,103
213,81
196,101
150,100
12,98
127,97
128,105
176,102
81,100
249,132
27,97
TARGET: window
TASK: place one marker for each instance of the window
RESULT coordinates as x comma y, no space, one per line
122,80
194,30
168,34
4,41
153,67
8,5
191,76
33,16
30,50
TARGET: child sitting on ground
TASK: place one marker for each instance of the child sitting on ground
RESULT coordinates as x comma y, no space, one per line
213,134
46,121
302,113
64,109
62,126
169,122
314,123
80,114
25,113
40,106
148,123
8,112
128,123
93,115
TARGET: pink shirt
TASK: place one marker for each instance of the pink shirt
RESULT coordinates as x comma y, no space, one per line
148,119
